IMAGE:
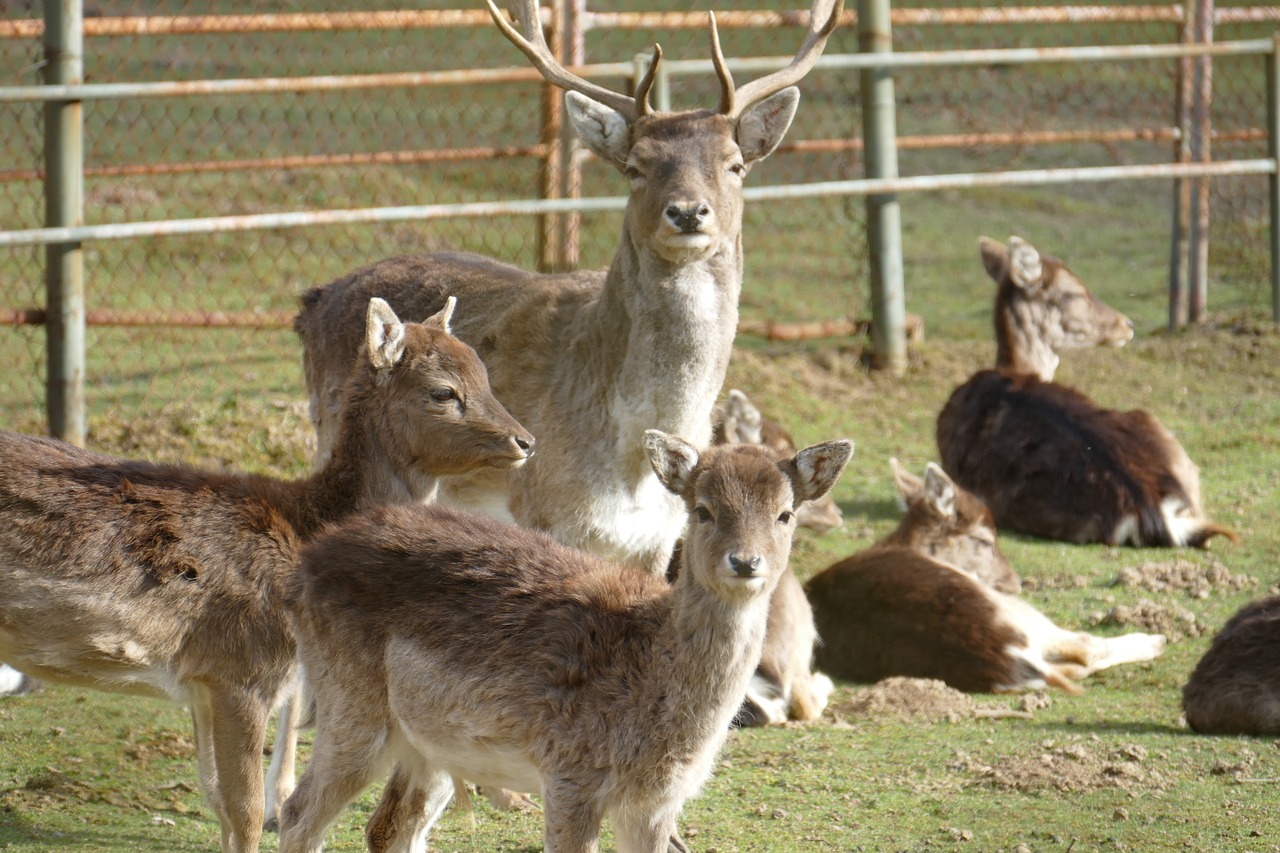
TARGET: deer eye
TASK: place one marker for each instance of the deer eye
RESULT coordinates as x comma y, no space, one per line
786,517
738,169
631,173
443,395
703,514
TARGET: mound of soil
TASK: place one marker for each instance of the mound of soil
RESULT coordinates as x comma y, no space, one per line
1197,579
928,700
1172,620
1070,768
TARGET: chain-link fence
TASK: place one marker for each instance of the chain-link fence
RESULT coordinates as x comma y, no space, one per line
203,155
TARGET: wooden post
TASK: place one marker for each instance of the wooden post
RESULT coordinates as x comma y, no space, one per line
1198,264
64,207
884,217
551,180
1178,246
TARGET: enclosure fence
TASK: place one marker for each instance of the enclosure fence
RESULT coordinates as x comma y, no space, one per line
263,161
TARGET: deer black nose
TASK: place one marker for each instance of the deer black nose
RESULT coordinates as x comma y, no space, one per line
744,567
688,217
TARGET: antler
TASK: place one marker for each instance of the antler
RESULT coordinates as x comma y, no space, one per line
534,45
734,104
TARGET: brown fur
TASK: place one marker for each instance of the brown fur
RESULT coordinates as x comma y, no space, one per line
1235,688
1046,459
895,610
165,581
453,643
591,360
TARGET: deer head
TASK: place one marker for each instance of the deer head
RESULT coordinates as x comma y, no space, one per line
1042,308
685,169
950,525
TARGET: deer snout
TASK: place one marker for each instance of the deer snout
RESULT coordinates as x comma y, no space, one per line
688,217
745,567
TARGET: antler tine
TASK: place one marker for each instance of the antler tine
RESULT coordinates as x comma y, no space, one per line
820,28
534,45
646,83
722,69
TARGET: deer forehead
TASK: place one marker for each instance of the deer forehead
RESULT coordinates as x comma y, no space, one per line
438,358
743,480
683,141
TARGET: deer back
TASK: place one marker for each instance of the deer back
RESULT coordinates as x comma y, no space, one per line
1235,687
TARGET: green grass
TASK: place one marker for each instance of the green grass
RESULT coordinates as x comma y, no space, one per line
89,771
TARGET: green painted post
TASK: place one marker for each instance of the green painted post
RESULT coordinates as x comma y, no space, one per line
64,207
884,216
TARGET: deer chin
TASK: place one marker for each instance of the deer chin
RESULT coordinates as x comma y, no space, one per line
684,248
509,463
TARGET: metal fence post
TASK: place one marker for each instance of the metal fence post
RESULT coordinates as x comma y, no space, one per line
64,206
1273,151
1198,264
1178,250
884,217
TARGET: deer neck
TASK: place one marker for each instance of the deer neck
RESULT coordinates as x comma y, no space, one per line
668,332
1021,346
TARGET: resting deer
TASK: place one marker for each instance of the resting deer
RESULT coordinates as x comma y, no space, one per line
166,581
457,644
1235,688
1046,459
14,683
590,360
894,610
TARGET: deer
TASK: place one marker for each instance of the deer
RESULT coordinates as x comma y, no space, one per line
459,645
1235,688
896,610
14,683
590,360
1045,458
166,581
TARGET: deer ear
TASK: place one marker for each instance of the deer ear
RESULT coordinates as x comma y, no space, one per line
604,130
673,460
442,317
910,487
741,419
384,335
1024,263
761,128
995,257
816,469
939,491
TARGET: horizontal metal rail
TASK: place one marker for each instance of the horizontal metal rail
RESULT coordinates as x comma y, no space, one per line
838,62
923,183
159,25
186,319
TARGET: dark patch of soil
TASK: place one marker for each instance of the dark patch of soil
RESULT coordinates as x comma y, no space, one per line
1068,768
1197,579
1172,620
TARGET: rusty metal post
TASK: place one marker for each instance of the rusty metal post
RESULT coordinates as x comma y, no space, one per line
1178,247
64,206
551,180
1273,151
1202,87
884,217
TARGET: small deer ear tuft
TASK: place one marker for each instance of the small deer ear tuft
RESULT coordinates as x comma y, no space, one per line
442,317
673,460
384,335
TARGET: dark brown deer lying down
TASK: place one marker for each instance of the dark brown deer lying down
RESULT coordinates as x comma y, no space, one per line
1235,688
1046,459
590,360
895,611
165,581
456,644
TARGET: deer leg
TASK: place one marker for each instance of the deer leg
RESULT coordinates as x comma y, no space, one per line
207,767
572,820
281,773
239,730
415,797
642,831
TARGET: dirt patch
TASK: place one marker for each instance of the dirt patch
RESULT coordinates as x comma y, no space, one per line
1068,768
928,700
1172,620
1055,582
161,745
1198,580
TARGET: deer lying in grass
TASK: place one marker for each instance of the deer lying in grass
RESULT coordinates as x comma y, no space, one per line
14,683
590,360
166,581
457,644
1235,688
1046,459
895,610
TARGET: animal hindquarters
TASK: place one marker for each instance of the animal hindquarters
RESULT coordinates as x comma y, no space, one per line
1235,687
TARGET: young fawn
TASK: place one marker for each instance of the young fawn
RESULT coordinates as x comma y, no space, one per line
894,609
456,644
1046,459
166,581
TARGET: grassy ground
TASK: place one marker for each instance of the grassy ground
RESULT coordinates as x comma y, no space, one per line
1113,769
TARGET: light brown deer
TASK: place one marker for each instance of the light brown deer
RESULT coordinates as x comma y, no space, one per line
1045,458
1235,687
166,581
590,360
457,644
893,610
